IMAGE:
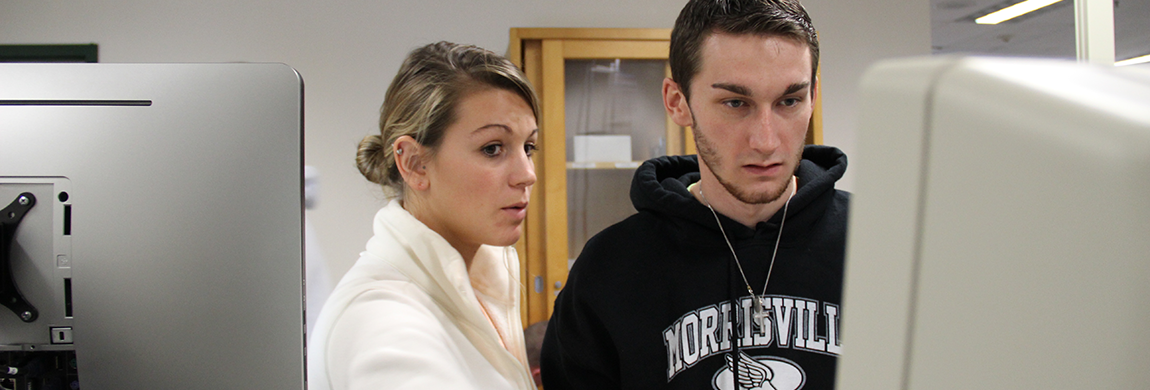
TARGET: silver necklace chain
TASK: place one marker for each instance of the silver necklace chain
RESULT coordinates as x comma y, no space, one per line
760,307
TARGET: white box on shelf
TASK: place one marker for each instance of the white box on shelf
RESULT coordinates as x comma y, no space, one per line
592,148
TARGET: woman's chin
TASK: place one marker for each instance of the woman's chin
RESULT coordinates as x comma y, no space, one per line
508,237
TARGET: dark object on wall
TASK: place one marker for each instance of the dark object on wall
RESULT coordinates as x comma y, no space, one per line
49,53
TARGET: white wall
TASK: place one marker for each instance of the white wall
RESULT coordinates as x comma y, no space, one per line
348,50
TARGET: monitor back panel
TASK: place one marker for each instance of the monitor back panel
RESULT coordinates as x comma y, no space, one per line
999,233
167,230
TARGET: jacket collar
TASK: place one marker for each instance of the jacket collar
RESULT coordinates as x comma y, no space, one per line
431,263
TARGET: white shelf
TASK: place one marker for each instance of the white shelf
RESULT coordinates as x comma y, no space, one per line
604,165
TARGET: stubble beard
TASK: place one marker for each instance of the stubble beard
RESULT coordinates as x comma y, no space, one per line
710,156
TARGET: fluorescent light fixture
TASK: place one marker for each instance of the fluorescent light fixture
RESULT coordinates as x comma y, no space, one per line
1133,61
1014,11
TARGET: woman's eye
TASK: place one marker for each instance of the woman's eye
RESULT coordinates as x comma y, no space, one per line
492,150
530,149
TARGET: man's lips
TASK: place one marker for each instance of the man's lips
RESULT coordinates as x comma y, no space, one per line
763,169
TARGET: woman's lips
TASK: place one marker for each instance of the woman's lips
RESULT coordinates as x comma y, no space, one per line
517,211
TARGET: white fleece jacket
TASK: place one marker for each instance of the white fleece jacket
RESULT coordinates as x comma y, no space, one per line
407,316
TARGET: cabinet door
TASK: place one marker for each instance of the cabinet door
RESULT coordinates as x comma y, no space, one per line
603,97
601,116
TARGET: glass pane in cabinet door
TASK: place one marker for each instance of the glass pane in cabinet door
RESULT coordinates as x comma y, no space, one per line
614,120
1132,34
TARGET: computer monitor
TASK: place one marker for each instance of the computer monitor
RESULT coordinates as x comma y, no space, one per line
999,233
160,233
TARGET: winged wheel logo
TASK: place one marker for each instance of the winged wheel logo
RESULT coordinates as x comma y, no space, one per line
761,372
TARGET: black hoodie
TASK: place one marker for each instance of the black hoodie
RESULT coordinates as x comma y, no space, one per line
648,302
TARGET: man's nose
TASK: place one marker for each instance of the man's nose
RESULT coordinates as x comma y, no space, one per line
764,135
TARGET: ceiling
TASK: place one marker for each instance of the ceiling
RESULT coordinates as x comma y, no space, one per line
1048,32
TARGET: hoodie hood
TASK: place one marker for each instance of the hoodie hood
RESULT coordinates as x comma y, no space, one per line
660,187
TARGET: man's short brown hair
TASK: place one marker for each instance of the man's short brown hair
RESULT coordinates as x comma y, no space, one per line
701,18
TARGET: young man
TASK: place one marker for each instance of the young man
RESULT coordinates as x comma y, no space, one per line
730,275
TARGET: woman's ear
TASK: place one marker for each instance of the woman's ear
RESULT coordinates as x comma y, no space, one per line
408,159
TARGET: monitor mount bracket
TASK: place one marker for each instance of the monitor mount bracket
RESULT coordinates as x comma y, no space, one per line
10,219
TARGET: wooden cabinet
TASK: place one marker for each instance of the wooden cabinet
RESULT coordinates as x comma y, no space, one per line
601,115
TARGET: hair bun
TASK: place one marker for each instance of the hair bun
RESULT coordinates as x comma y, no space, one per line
371,159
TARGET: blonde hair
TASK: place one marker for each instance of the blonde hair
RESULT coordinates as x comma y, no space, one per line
421,101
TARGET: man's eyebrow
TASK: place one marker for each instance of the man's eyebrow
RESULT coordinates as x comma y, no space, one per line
797,87
741,90
735,88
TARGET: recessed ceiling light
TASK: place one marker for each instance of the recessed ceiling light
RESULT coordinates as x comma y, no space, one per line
1014,11
1133,61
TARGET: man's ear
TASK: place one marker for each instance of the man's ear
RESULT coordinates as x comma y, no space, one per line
409,160
675,102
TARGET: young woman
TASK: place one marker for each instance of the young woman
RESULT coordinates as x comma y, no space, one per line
433,303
